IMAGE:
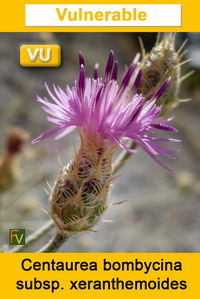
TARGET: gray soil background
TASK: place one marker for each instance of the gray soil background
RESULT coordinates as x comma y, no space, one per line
162,209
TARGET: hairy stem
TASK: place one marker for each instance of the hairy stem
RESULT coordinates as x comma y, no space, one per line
54,244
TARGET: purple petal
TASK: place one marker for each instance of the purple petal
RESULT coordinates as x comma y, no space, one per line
51,94
95,76
99,93
125,81
149,152
163,150
81,60
161,90
115,71
128,75
61,95
137,82
47,134
123,146
158,161
161,139
81,81
164,127
65,132
137,111
54,120
109,66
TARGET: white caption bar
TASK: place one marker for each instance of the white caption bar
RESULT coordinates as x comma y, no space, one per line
150,15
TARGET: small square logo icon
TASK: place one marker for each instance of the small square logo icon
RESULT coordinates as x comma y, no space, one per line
17,236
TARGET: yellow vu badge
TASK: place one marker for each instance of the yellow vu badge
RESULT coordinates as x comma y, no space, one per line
40,55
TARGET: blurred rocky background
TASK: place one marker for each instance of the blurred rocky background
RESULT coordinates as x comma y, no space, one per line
162,209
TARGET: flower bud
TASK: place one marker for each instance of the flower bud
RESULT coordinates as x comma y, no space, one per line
79,197
162,62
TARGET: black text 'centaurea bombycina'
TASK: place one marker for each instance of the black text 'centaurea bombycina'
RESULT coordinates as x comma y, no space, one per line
106,115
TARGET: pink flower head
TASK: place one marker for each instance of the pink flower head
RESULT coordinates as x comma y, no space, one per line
106,111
